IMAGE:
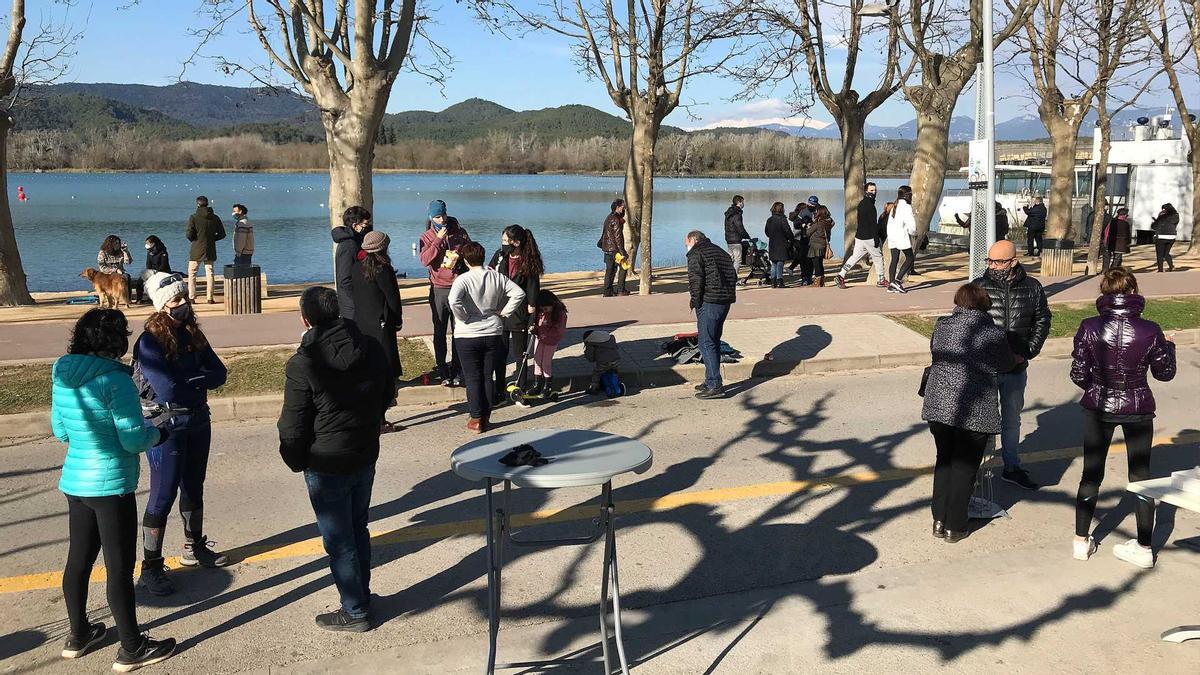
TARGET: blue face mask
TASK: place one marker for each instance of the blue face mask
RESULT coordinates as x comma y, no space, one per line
438,226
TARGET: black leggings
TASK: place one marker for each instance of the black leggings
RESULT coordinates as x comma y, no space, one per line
478,357
959,454
1097,436
909,259
818,266
1162,253
108,524
443,324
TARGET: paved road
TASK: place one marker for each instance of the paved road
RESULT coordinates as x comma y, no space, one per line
34,340
782,530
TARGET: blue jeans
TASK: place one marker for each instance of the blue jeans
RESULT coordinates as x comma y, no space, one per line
1012,402
340,503
710,323
777,269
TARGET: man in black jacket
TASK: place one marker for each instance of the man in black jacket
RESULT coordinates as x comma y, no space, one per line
1035,226
1019,308
866,240
712,281
347,239
337,387
735,231
612,242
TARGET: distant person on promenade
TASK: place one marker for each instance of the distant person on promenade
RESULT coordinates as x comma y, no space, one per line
94,409
964,222
1165,227
1018,307
612,242
969,352
712,285
779,243
519,259
204,230
441,252
481,299
347,241
735,231
801,218
1035,226
175,367
1113,352
818,243
901,226
113,257
377,308
243,236
1118,235
866,239
157,260
335,394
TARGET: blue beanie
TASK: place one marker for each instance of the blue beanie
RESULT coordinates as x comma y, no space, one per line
437,208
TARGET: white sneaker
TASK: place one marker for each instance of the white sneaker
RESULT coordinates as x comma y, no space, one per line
1135,554
1084,549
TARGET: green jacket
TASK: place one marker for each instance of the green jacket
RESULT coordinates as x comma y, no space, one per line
95,410
204,230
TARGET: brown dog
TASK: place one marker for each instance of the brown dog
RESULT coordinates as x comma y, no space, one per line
112,289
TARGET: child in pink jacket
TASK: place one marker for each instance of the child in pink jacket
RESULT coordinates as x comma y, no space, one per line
548,330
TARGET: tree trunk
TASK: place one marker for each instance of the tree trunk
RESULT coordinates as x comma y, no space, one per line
13,287
350,140
1101,186
854,171
929,166
1064,138
639,184
1193,249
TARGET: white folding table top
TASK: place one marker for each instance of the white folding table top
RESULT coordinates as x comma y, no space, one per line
577,458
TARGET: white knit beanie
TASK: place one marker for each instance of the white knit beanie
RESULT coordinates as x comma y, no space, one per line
163,288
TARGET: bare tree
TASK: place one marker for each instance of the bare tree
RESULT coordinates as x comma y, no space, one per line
644,52
1161,25
947,38
1115,26
796,48
345,56
28,60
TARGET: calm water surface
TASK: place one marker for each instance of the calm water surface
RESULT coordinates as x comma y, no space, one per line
67,216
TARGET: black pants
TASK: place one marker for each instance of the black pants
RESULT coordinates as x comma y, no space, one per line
611,269
816,263
1033,244
478,357
443,324
959,454
909,258
109,524
1097,436
1162,253
1114,259
512,350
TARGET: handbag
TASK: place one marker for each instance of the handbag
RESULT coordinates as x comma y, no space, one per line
828,252
924,381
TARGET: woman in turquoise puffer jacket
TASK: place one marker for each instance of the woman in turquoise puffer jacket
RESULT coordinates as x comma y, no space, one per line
95,410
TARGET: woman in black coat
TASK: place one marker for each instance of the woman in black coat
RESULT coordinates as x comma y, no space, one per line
779,242
518,259
377,308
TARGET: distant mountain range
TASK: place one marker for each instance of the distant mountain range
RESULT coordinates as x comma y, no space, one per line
191,110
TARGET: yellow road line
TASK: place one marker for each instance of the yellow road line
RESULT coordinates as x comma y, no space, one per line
412,533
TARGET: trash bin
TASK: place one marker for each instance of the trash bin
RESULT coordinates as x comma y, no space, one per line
243,289
1058,258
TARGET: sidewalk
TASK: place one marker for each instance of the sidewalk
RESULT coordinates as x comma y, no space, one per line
41,331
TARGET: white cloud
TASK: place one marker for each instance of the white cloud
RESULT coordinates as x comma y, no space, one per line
762,113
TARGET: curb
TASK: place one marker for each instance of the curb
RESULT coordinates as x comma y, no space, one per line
32,425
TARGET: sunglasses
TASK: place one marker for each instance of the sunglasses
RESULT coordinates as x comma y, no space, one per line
1003,261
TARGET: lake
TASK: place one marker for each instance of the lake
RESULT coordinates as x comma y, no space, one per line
67,216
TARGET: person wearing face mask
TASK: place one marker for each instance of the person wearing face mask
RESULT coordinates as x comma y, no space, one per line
440,250
1018,307
175,368
347,239
1165,226
520,260
157,260
866,238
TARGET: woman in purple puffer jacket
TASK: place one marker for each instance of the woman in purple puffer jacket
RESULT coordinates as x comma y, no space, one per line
1112,353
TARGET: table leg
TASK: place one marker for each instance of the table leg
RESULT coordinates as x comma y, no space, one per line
495,563
610,572
605,521
1182,634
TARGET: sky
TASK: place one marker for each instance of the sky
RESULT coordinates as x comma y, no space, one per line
149,42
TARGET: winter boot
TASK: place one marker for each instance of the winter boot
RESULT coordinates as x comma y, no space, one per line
819,282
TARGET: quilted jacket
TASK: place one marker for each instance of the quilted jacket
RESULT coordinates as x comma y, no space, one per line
1112,353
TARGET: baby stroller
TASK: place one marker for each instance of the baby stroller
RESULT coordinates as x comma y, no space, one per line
756,261
520,396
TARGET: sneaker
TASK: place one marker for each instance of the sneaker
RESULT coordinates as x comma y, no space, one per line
882,283
711,394
154,579
701,387
343,622
899,287
1084,549
151,652
76,647
892,288
1020,478
1135,554
841,282
200,553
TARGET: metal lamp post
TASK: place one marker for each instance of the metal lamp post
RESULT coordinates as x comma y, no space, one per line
983,192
